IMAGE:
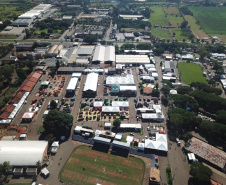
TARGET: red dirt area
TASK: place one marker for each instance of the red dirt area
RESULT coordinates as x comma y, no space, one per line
11,131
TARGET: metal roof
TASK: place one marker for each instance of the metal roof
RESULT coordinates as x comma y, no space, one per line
22,153
104,53
85,51
207,152
121,144
72,84
91,82
102,140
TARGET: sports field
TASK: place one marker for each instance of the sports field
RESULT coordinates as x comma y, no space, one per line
191,73
212,19
87,167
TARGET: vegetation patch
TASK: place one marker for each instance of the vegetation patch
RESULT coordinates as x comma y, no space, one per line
86,166
211,19
191,72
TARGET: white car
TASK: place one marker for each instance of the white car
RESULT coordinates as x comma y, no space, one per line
148,128
146,137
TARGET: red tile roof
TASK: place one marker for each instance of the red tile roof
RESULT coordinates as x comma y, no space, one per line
6,111
17,97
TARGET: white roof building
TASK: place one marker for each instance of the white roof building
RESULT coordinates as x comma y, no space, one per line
110,109
72,84
121,104
23,153
76,75
91,82
128,88
132,59
153,116
104,54
159,144
127,80
98,104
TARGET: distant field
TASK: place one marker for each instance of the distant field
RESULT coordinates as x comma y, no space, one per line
158,32
178,35
38,31
8,37
191,73
9,12
212,19
195,28
158,16
87,167
171,10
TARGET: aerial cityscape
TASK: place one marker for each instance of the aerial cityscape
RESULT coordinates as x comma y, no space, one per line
112,92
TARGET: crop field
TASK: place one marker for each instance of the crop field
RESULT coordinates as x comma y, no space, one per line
191,73
195,28
86,166
212,19
173,11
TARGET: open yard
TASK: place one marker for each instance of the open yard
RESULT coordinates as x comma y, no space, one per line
173,16
86,166
212,19
191,73
158,16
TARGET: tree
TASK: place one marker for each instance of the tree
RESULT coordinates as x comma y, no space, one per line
185,102
136,34
50,30
57,64
53,104
43,34
221,116
7,72
90,39
116,122
165,90
155,93
5,170
58,123
201,174
184,90
21,73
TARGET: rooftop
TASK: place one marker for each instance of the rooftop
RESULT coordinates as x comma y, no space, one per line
207,152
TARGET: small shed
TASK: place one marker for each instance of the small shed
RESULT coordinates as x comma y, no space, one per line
118,137
45,84
141,146
28,116
45,172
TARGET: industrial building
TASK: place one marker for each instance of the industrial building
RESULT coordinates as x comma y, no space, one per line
55,50
90,88
130,127
23,155
72,86
22,22
207,153
104,54
132,59
134,17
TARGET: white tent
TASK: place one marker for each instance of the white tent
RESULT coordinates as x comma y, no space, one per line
45,171
55,144
110,109
91,82
156,145
28,115
98,104
127,80
161,137
173,91
121,104
140,146
18,106
129,139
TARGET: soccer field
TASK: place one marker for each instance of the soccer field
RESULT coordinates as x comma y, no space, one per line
191,73
86,166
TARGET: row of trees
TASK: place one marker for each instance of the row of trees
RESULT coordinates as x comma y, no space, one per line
206,88
126,23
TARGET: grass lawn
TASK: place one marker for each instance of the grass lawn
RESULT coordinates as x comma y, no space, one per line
158,16
87,167
158,32
178,35
38,31
191,73
8,37
212,19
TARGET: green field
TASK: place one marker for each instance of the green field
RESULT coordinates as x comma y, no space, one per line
195,28
8,37
191,73
158,16
178,35
9,12
212,19
158,32
38,31
87,167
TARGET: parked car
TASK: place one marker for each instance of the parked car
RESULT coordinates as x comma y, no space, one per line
148,128
178,141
